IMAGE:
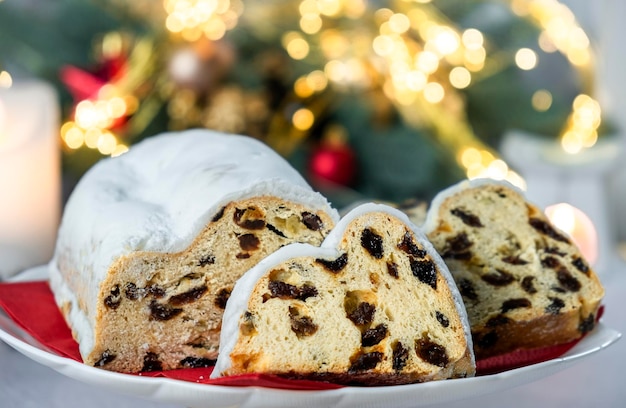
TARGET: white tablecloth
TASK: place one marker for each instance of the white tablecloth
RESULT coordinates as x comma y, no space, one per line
597,381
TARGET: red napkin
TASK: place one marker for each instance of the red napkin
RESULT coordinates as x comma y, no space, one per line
31,305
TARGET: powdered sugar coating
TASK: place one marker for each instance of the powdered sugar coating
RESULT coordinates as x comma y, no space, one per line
158,197
240,296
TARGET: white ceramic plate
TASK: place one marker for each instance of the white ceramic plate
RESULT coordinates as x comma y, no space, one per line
212,396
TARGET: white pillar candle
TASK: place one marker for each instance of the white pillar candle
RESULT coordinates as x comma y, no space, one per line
30,183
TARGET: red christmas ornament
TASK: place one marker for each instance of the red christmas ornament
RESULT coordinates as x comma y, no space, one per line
333,161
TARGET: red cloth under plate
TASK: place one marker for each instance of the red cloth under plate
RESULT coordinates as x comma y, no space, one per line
31,305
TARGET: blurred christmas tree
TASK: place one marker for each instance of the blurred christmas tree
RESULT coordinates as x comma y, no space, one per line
387,100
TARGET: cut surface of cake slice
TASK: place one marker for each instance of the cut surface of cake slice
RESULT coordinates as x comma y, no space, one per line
374,305
152,242
524,283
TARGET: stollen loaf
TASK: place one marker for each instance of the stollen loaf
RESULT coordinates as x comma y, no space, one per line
524,282
374,305
151,243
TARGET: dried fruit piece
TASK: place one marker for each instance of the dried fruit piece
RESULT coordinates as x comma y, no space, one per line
567,281
249,242
163,312
466,287
364,361
335,265
514,260
457,247
442,319
373,336
528,284
219,214
362,314
517,303
250,218
222,297
187,297
151,362
196,362
206,260
467,217
400,356
114,299
312,221
372,242
131,291
581,265
550,262
410,247
392,269
555,306
485,340
425,271
546,229
285,290
303,326
587,324
431,352
105,358
276,231
498,320
498,278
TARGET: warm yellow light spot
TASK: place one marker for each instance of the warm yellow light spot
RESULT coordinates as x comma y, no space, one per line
415,80
572,142
526,59
399,23
334,44
106,143
383,45
73,136
472,39
6,80
427,62
317,80
336,71
298,48
475,58
302,88
215,30
329,7
520,7
92,136
470,156
579,57
434,92
355,8
308,7
445,40
497,170
460,77
486,157
303,119
119,150
311,23
545,43
174,23
542,100
578,226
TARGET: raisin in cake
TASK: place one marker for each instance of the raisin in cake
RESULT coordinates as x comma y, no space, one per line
524,283
151,243
374,305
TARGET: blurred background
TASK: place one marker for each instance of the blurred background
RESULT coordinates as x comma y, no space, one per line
370,99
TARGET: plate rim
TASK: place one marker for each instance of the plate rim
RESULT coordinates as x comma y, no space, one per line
193,394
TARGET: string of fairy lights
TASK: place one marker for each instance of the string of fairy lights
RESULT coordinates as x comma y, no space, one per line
410,50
